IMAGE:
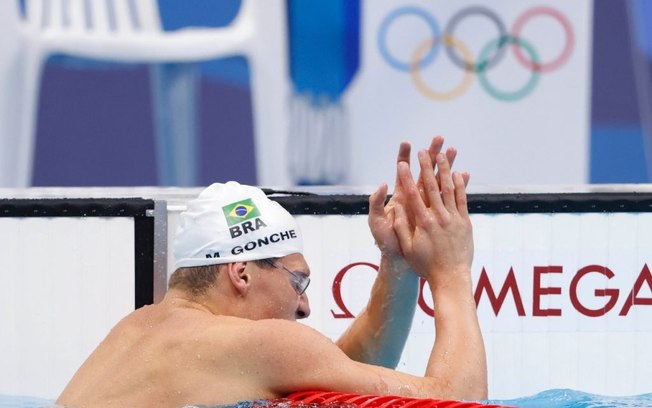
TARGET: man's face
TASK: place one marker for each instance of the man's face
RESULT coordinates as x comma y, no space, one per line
275,291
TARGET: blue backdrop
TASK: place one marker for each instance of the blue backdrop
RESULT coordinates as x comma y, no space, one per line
95,128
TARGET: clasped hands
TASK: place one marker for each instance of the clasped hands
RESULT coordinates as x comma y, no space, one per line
426,222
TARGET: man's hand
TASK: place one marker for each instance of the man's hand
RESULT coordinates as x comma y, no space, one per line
381,216
433,226
435,234
379,333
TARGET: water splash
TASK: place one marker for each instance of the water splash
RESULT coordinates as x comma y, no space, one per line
556,398
567,398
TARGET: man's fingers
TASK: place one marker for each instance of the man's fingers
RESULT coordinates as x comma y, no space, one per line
466,176
446,182
403,155
402,228
412,195
403,152
377,201
434,150
435,147
430,184
460,193
451,154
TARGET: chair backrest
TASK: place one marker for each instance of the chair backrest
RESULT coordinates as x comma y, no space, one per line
130,31
9,21
93,17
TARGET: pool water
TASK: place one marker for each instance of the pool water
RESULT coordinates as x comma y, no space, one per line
14,401
564,398
558,398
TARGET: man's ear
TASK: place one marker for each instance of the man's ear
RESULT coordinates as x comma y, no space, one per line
239,276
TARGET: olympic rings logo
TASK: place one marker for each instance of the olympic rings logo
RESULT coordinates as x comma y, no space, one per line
490,55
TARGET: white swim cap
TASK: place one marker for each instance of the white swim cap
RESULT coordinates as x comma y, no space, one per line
233,223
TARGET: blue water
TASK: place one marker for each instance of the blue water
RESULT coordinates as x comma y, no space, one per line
560,398
13,401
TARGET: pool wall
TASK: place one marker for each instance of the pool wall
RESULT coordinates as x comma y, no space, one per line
561,279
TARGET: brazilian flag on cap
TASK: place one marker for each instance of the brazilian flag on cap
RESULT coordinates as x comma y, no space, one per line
240,211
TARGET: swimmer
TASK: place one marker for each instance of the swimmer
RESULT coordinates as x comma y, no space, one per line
226,330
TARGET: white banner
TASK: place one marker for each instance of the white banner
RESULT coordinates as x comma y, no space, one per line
564,300
521,101
64,282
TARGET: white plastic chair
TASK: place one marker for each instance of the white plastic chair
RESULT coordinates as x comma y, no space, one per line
130,31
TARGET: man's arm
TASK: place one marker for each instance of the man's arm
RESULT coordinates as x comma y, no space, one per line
438,244
378,335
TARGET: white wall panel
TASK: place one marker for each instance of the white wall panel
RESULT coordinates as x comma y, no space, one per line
64,282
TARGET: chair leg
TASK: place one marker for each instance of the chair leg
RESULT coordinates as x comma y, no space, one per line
174,104
270,88
20,81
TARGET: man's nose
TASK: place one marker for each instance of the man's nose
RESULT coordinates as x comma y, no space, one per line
303,310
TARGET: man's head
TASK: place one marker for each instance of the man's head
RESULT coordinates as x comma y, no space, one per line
232,222
237,229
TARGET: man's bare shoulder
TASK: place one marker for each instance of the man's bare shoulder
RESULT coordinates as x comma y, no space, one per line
222,334
266,335
285,356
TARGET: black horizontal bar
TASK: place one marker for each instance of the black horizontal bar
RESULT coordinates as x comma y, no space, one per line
485,203
75,207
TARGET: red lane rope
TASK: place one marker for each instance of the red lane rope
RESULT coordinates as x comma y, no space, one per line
336,399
